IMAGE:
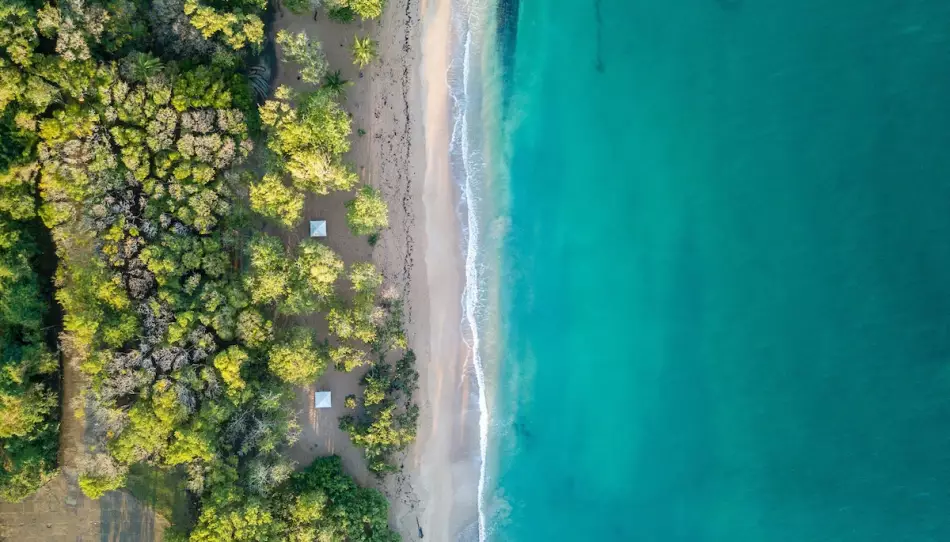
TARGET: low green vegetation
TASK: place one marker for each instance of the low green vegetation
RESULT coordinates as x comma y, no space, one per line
385,418
341,15
364,51
335,84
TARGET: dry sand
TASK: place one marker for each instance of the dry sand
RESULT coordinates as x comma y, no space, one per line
401,101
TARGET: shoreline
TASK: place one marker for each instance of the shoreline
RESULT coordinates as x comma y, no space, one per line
439,481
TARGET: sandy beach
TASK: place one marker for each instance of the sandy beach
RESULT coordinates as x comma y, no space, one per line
401,102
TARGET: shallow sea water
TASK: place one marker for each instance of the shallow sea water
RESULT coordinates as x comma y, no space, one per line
724,302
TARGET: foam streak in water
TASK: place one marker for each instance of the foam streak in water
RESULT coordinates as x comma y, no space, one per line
466,156
470,295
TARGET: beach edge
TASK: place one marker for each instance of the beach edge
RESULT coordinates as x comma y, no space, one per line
435,493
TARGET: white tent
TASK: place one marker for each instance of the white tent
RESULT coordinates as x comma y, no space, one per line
321,399
318,228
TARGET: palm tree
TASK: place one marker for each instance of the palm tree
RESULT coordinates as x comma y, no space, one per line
364,51
335,84
143,65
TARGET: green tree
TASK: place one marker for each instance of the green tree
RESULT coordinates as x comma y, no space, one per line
364,278
253,329
236,29
316,269
229,364
335,507
273,199
364,51
388,421
309,142
17,187
151,423
195,442
240,519
18,31
341,14
297,285
366,9
381,435
269,280
22,411
346,358
366,214
28,406
28,463
142,66
353,321
295,359
308,54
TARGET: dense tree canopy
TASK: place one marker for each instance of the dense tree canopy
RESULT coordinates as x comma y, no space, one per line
308,141
318,503
125,128
293,285
28,381
28,402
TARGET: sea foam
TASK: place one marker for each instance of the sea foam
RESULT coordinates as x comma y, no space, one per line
467,159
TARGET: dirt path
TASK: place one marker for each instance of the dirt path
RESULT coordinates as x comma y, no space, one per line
59,511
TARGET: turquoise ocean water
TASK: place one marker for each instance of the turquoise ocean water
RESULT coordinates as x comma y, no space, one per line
714,269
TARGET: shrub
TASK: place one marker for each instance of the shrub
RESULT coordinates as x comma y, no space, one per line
295,360
367,214
97,486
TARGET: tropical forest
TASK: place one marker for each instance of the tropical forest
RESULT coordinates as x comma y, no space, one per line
150,169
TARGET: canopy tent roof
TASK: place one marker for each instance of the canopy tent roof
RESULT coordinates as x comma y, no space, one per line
318,228
321,399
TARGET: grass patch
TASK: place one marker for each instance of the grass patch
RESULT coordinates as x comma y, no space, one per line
164,491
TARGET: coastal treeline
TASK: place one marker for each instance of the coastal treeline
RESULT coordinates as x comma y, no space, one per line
142,140
29,400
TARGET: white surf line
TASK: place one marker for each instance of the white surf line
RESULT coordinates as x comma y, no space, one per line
470,294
